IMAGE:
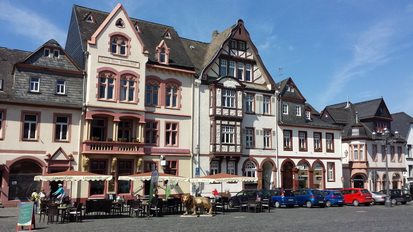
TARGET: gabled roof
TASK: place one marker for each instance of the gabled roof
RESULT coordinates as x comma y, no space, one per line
402,123
296,95
370,109
151,35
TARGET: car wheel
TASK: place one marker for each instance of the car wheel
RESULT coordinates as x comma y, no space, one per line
308,204
277,204
356,203
393,202
328,203
231,204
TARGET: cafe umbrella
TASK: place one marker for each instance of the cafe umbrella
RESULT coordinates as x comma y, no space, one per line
222,178
72,176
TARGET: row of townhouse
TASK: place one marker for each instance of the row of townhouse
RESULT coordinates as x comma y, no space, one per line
127,96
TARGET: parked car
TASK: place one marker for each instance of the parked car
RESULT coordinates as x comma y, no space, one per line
378,198
357,196
246,195
333,197
398,195
282,197
310,198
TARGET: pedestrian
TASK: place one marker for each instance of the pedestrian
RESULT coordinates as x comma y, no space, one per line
60,193
42,197
35,199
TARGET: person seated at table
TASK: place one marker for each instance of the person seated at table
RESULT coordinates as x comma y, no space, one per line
154,199
60,193
216,193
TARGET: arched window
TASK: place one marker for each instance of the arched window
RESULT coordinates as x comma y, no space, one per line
318,176
106,86
127,88
152,93
172,95
119,45
250,169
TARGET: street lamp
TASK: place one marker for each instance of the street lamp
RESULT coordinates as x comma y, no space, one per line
387,139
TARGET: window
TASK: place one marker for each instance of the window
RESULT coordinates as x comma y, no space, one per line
46,52
228,98
106,86
240,72
357,152
125,130
231,168
399,154
223,68
380,126
249,103
297,110
2,117
137,28
34,84
90,19
288,146
171,168
151,132
125,168
119,23
267,139
1,84
56,53
248,73
290,88
30,122
152,89
383,153
98,129
231,69
167,35
127,89
62,128
330,172
171,134
317,141
410,171
118,45
308,115
60,87
228,133
285,109
150,166
249,138
392,154
241,45
162,56
233,44
330,142
214,167
303,140
374,152
171,96
238,45
250,169
98,167
266,105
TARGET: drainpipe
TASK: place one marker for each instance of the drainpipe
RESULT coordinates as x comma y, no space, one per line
277,111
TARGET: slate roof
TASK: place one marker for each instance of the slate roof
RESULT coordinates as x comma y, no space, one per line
151,34
402,122
368,109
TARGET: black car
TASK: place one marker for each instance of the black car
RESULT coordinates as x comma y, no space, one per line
246,195
398,195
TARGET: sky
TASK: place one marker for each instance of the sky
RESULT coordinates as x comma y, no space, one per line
333,49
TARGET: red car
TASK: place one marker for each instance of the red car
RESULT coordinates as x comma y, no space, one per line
357,196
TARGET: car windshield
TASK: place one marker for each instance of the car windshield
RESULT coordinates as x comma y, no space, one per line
275,193
337,193
396,191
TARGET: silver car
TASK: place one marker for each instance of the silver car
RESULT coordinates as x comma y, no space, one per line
378,198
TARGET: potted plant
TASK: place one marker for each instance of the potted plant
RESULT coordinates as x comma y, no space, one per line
109,139
95,138
135,140
122,139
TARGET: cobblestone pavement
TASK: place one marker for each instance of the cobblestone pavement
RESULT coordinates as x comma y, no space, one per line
348,218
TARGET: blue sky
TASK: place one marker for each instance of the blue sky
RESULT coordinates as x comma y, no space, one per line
332,49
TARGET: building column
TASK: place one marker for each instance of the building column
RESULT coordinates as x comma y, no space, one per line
115,131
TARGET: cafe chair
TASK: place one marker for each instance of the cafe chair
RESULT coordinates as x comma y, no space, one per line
52,214
42,211
156,209
135,207
253,206
77,212
266,204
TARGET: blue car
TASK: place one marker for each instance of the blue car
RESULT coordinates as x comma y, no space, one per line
310,198
333,197
282,197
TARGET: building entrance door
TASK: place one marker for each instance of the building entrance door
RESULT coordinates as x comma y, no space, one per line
287,176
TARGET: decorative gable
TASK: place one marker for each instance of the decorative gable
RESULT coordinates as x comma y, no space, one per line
163,53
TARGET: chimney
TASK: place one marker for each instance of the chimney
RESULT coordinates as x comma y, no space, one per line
215,33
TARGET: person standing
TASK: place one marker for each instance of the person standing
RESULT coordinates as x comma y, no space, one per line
60,193
35,200
42,197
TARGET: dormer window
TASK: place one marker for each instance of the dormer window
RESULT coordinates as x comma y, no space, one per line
167,35
290,88
89,18
119,23
119,45
137,28
56,53
46,52
163,53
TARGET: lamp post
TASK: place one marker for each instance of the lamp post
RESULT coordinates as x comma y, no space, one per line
387,139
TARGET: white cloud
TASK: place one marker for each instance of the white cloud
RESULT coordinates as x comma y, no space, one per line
268,42
410,8
29,24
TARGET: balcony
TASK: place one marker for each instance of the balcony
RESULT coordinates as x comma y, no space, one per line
112,147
